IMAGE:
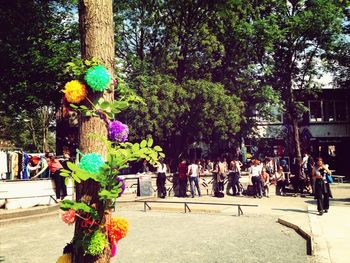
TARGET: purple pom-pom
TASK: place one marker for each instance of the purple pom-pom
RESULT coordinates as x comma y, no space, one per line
117,131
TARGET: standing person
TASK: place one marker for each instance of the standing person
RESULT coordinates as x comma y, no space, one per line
265,181
310,167
215,172
182,170
255,171
222,171
210,166
145,168
302,178
304,162
322,188
281,181
55,167
193,173
161,178
235,171
268,166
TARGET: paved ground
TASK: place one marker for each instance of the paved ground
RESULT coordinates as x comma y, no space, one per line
218,235
166,237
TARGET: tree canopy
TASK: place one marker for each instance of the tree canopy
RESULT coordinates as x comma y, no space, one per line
242,58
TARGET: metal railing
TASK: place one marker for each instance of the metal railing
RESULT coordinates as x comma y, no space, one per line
186,207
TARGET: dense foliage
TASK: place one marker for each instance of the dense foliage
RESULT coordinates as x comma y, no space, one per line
37,38
250,54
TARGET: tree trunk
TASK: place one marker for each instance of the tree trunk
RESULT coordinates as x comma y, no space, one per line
33,133
296,138
97,40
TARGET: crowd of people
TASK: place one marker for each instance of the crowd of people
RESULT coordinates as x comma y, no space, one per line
312,178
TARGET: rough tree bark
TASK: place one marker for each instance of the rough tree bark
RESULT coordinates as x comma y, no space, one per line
97,40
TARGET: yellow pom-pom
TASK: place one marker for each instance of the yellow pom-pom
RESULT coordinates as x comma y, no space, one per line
75,91
65,258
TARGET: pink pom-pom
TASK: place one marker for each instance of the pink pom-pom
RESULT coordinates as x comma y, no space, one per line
114,249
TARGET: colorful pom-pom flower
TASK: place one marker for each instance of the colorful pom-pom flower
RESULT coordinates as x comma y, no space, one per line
74,91
97,77
92,162
117,131
65,258
113,249
69,216
117,229
97,243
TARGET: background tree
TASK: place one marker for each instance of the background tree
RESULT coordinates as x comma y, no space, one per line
36,40
306,30
180,114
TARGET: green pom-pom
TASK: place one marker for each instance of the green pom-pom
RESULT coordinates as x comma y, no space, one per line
92,162
97,243
98,78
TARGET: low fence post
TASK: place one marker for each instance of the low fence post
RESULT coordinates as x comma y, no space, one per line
240,212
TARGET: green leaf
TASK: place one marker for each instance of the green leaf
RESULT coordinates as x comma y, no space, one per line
150,142
158,148
72,166
135,147
104,105
64,174
73,106
143,143
76,178
66,180
83,175
83,107
121,105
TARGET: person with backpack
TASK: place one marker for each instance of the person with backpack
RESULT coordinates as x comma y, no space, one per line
193,174
322,186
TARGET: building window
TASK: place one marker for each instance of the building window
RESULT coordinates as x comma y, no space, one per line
340,110
328,111
315,111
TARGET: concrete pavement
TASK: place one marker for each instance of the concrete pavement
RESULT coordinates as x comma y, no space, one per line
329,233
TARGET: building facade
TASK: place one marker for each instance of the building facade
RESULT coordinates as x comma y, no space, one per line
324,128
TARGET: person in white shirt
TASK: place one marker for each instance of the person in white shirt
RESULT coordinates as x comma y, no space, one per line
193,173
281,181
161,178
255,171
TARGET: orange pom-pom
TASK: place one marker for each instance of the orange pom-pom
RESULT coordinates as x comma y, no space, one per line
117,229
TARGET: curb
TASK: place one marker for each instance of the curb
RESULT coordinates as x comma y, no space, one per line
25,212
307,236
14,220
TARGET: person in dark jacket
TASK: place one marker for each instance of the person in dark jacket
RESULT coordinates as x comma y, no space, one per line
182,170
322,188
